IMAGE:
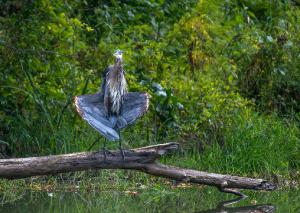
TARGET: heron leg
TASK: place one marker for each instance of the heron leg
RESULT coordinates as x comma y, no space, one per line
104,149
120,146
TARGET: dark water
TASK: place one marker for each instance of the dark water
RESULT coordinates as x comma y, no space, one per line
153,200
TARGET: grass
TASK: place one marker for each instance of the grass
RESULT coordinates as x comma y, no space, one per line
256,144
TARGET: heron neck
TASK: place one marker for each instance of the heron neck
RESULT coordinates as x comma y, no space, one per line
118,62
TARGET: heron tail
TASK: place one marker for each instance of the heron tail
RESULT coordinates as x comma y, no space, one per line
118,122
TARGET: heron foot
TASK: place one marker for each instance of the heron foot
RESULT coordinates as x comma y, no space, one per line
122,153
105,151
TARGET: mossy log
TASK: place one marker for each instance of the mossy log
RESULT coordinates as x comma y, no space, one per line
141,159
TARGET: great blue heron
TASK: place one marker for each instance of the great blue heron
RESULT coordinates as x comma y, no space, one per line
113,108
114,87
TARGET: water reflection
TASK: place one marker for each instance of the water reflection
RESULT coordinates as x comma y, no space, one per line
150,200
224,207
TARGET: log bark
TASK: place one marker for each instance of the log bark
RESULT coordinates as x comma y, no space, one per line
141,159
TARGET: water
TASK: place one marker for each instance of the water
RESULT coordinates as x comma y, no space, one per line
192,199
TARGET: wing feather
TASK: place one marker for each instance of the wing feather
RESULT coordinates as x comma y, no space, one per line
134,106
90,107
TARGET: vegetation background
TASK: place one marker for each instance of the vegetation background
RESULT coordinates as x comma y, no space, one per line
224,78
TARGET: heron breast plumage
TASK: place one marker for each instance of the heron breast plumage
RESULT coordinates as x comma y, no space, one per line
115,89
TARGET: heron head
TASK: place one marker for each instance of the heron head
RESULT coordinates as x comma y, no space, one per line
118,54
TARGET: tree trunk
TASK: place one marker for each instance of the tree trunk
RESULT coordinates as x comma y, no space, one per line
141,159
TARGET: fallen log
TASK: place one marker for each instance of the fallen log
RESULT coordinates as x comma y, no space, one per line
141,159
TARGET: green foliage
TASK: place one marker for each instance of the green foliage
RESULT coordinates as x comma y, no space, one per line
266,52
212,68
256,144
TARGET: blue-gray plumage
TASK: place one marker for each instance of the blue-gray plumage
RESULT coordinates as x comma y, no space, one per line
113,108
114,88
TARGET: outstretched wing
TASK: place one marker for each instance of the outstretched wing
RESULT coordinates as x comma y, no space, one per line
134,106
90,107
